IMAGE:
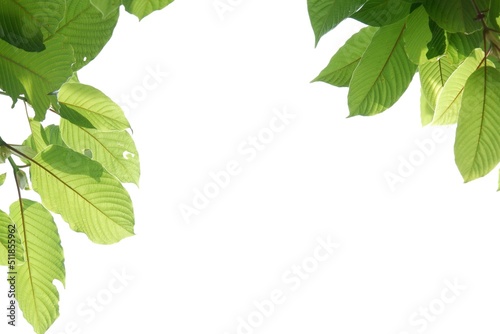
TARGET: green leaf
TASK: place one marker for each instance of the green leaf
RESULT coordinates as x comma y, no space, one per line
106,7
494,15
437,45
89,107
115,150
2,178
460,46
44,262
433,76
85,29
35,75
450,99
477,144
417,35
18,28
327,14
142,8
382,12
383,74
456,15
89,198
9,240
342,65
426,110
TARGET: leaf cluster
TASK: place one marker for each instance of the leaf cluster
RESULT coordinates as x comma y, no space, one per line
78,166
453,45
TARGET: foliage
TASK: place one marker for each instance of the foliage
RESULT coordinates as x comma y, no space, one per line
77,167
454,45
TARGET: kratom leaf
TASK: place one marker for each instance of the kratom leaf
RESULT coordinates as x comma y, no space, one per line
477,144
383,74
88,197
456,15
379,13
342,65
10,255
142,8
85,29
87,106
44,262
461,45
327,14
437,44
115,150
450,98
2,178
433,76
417,35
35,75
426,110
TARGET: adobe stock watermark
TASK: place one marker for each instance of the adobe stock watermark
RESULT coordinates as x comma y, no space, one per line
152,80
409,163
247,151
420,320
292,279
222,7
87,311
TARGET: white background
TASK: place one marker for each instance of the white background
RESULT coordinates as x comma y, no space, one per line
323,176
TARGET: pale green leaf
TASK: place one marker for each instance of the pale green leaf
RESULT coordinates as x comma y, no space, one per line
382,12
433,76
11,249
85,29
88,106
142,8
477,144
2,178
327,14
115,150
35,74
383,74
417,35
456,15
88,197
342,65
426,110
44,262
450,98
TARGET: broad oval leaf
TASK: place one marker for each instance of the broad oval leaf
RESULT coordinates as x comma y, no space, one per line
35,75
89,107
327,14
43,263
342,65
417,35
449,99
433,76
383,74
88,197
85,29
142,8
477,144
11,249
115,150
